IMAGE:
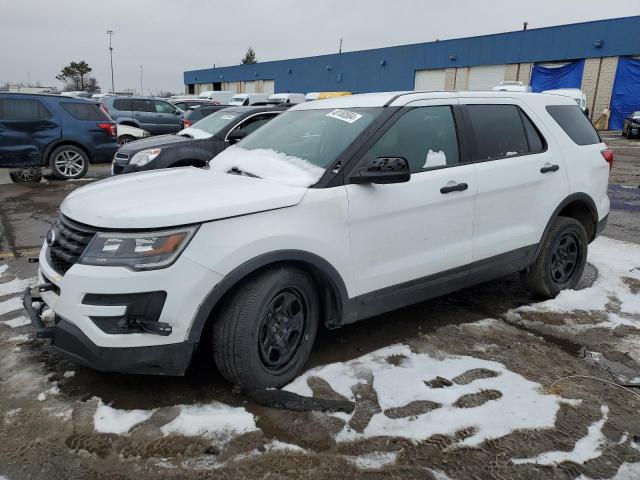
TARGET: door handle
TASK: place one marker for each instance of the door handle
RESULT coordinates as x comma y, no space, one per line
549,168
458,187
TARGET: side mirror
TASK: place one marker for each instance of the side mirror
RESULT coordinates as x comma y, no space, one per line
383,170
236,136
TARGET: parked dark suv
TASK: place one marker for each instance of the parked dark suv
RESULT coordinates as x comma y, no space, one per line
150,114
63,133
196,145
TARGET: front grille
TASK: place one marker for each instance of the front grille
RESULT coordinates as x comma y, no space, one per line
71,240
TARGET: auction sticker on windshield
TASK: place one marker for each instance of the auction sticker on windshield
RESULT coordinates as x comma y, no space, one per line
344,115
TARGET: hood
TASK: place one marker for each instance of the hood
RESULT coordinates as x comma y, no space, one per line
171,197
153,142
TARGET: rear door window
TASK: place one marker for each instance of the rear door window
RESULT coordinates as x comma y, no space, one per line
23,109
574,123
499,131
84,111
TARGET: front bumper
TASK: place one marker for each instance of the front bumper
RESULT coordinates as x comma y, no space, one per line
68,339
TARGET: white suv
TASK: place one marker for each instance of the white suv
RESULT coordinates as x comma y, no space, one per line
335,211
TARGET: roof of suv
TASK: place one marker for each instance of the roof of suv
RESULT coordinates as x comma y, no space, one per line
398,99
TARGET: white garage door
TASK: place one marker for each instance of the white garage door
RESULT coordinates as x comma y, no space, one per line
429,80
485,77
268,87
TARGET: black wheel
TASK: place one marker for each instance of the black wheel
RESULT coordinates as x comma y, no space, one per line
266,328
68,162
561,260
122,139
26,175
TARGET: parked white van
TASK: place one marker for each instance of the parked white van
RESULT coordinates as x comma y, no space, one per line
246,99
509,86
287,98
221,96
395,198
575,94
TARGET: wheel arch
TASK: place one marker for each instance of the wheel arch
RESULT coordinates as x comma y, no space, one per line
331,287
61,143
579,206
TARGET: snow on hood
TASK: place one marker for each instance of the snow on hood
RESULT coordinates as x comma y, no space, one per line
194,133
269,164
176,196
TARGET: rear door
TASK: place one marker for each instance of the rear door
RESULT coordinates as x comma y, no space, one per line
27,126
407,235
521,178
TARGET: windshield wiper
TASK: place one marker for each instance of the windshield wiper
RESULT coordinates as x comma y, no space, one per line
237,171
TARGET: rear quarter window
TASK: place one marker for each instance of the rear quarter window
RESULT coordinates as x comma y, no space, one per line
574,123
84,111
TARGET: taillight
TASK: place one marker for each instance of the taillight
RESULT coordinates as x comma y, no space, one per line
186,123
110,128
608,156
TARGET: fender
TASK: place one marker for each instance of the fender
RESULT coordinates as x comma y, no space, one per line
245,269
578,196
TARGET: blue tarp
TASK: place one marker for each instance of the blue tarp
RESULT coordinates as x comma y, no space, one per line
626,91
552,78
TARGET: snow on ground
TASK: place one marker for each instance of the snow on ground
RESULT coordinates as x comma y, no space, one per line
587,448
110,420
516,403
17,322
211,420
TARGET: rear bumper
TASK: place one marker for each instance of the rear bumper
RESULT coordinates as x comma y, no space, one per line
68,339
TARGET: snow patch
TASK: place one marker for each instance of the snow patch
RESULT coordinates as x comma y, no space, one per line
211,420
587,448
269,164
17,322
522,404
107,419
373,460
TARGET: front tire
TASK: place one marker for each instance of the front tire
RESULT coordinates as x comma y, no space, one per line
123,139
561,260
68,162
266,328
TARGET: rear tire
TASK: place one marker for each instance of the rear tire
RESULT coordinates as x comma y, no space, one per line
26,175
264,333
68,162
561,260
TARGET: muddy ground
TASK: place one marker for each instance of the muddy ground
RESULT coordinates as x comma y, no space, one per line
47,425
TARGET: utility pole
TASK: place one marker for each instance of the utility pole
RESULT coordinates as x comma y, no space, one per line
340,50
110,33
141,89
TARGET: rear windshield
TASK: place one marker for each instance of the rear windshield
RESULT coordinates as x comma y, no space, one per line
574,123
85,111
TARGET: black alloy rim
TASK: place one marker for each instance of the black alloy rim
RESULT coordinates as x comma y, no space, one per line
283,329
564,259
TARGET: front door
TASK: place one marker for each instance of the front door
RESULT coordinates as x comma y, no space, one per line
407,235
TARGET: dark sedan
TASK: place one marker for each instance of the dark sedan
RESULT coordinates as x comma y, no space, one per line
631,127
195,145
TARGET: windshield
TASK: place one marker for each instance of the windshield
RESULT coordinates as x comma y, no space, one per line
296,147
215,122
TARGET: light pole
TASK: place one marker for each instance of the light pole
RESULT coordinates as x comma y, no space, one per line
141,89
110,33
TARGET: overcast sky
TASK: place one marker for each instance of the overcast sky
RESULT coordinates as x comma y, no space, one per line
167,37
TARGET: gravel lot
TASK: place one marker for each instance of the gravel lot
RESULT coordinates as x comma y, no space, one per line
484,383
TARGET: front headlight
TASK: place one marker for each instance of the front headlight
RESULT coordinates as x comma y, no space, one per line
145,156
138,251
